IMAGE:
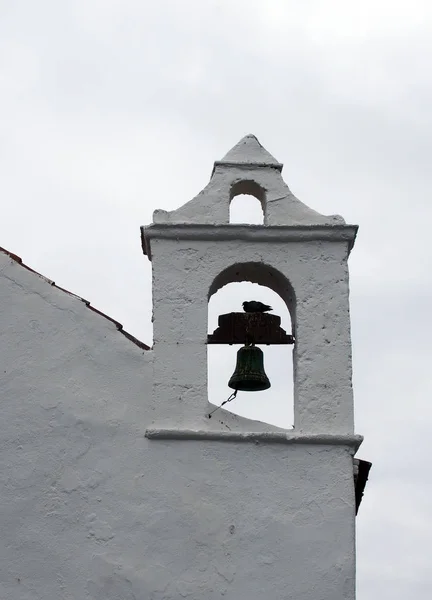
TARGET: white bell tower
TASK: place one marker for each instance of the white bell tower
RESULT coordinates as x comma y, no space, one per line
302,256
299,253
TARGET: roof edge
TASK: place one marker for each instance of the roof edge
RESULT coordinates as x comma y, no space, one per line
118,325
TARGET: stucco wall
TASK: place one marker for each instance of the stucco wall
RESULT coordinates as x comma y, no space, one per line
91,509
184,271
246,169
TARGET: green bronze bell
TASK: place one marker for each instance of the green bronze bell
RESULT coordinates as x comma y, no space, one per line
249,374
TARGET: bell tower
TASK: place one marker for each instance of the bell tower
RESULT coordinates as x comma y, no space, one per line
299,253
305,528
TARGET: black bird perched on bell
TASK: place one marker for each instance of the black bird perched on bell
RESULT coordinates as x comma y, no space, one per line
249,374
254,306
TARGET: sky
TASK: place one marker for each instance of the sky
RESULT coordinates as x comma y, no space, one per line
112,109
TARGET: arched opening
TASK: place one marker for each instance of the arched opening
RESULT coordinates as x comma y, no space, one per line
247,203
253,281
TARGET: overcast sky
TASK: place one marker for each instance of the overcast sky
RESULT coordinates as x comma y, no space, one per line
111,109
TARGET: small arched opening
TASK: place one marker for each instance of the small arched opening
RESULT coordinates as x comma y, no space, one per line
253,281
247,203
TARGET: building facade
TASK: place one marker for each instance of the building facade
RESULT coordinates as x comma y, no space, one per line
116,484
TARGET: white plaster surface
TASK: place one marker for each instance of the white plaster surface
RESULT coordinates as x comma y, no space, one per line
247,162
115,484
301,255
92,510
313,274
249,151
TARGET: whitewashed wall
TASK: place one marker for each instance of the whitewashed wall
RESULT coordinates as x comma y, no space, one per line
115,485
184,272
91,509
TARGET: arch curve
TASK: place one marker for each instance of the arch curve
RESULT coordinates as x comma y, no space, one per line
247,195
262,274
250,188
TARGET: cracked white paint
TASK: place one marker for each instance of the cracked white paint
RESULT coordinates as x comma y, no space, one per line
91,509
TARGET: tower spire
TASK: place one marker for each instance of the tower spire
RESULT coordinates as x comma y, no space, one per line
247,152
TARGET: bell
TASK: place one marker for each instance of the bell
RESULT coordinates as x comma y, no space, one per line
249,374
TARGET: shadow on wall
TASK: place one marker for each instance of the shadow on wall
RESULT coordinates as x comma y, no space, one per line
274,405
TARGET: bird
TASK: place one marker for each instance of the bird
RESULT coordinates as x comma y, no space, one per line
254,306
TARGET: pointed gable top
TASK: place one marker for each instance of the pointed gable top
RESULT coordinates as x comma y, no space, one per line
247,152
246,169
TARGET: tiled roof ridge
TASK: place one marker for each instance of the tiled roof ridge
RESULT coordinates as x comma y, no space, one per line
119,326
